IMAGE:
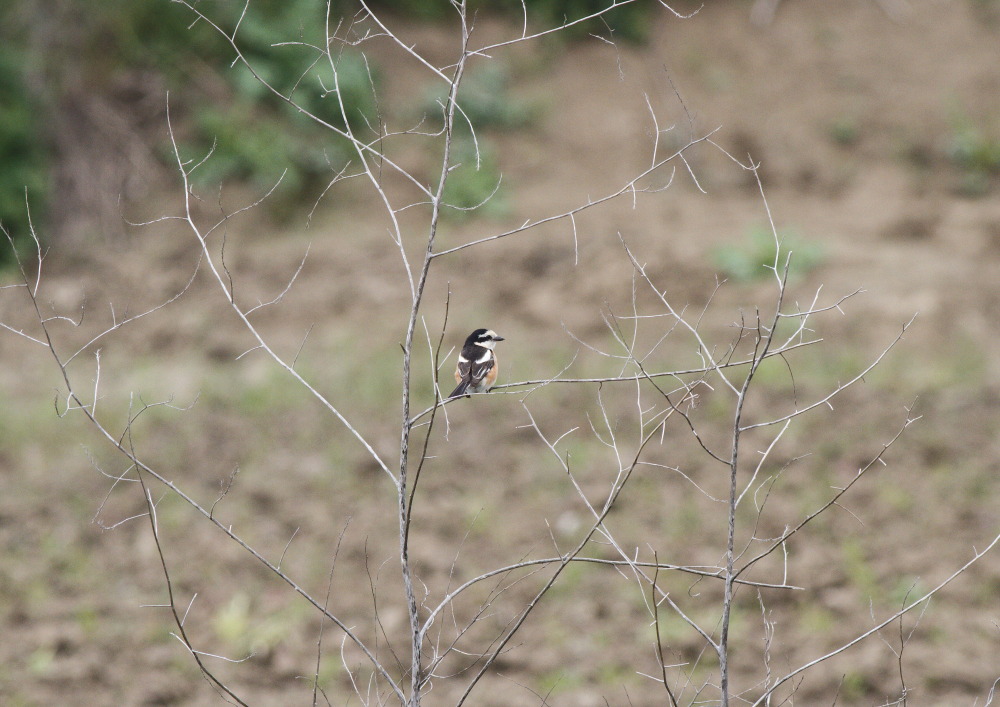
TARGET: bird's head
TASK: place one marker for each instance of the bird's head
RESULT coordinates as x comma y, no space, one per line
487,338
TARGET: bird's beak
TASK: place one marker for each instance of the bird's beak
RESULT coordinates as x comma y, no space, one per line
498,338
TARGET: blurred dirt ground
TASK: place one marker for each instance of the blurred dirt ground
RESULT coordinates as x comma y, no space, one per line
855,117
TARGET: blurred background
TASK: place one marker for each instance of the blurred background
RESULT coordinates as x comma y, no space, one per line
877,128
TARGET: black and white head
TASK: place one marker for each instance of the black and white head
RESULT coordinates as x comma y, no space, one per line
486,338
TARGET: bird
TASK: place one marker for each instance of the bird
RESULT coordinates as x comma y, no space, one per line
477,364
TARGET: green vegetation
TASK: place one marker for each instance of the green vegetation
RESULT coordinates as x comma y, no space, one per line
23,150
477,183
976,154
855,686
485,99
559,681
487,104
816,618
256,134
844,131
243,631
103,53
859,570
753,258
907,590
630,22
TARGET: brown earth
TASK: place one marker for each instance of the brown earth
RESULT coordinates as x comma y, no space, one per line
852,114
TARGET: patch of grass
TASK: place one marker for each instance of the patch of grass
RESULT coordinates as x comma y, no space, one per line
614,674
898,498
558,681
977,155
478,516
89,620
475,186
673,629
258,389
688,519
973,150
676,634
330,672
23,153
570,579
27,419
374,381
40,660
844,131
907,590
273,392
243,631
774,373
962,365
855,686
819,370
485,100
67,561
753,258
986,589
714,78
817,619
630,22
858,569
246,148
232,621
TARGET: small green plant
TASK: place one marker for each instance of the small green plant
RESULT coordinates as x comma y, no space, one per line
844,131
855,685
858,569
630,22
242,147
976,154
817,619
475,187
753,258
559,681
238,626
486,101
257,136
40,660
906,590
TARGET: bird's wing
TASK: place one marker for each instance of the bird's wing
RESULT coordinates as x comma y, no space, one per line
477,370
471,373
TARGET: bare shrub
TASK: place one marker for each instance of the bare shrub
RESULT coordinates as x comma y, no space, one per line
709,429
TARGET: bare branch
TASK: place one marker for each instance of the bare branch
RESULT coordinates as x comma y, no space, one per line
763,699
629,188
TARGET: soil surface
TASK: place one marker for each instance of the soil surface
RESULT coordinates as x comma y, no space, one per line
857,112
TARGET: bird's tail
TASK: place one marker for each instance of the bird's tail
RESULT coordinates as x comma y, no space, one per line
460,390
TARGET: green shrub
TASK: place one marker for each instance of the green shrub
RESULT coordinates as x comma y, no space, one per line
976,154
753,258
485,99
630,22
844,131
476,183
23,154
255,133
